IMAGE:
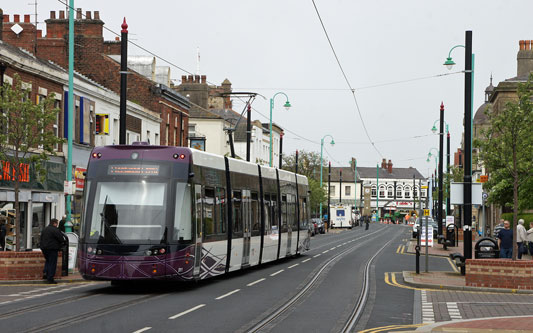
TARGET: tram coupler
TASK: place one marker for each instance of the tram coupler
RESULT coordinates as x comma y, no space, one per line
417,249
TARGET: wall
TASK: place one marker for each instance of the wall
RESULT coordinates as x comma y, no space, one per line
499,273
24,265
213,130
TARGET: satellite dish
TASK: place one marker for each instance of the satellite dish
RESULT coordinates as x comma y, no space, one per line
17,29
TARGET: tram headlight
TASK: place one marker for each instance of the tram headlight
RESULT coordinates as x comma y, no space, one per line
90,250
148,252
98,251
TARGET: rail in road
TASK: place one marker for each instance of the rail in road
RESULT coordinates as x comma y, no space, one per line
100,305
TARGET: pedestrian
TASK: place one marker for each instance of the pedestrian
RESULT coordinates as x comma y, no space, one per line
3,233
62,223
521,237
497,228
530,239
51,242
505,240
367,223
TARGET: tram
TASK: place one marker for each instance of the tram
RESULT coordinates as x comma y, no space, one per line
174,213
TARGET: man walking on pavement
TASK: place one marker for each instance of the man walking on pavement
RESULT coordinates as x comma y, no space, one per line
51,242
505,241
367,223
521,237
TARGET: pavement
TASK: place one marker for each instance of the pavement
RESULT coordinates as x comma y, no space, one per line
449,305
73,277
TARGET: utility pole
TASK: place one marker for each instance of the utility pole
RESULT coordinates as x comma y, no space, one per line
249,133
467,186
124,82
441,160
329,194
377,192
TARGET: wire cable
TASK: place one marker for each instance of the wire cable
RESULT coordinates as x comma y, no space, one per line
347,81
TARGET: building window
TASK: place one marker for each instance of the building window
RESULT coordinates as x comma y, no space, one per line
407,192
347,190
55,126
415,192
390,192
382,191
399,192
374,191
332,190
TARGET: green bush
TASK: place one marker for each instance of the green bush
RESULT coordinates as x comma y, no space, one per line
528,218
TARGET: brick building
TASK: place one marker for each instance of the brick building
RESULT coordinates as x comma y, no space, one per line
92,58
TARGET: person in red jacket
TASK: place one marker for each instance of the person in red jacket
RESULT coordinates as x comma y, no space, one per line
52,241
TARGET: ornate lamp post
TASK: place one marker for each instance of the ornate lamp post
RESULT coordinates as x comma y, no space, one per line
287,106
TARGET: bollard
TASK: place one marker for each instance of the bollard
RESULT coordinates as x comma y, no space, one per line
417,249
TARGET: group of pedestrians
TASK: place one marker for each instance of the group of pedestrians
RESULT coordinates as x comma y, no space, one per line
524,239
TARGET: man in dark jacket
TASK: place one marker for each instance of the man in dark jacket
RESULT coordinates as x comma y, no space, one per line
51,242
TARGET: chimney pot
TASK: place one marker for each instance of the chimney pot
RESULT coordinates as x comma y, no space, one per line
203,78
53,14
6,17
190,79
78,13
61,14
197,79
88,15
39,33
521,43
527,44
16,18
184,79
96,15
26,18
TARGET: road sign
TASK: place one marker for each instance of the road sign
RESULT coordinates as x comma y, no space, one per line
426,212
483,178
424,187
485,195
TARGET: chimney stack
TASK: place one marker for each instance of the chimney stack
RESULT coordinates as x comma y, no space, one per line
384,163
78,13
203,79
88,15
524,59
53,14
26,18
61,14
389,166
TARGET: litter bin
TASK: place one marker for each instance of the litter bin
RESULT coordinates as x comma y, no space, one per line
486,248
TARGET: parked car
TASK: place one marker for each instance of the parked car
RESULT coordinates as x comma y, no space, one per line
320,225
432,224
313,226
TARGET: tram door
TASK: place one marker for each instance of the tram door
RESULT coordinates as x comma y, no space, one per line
198,228
247,226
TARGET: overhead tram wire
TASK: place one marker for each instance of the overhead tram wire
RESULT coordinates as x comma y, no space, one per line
347,81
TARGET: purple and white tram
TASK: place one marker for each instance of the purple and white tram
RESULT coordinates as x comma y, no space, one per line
158,212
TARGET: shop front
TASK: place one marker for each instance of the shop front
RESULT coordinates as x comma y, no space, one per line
39,200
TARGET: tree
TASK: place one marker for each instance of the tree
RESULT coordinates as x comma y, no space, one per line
507,147
26,137
308,164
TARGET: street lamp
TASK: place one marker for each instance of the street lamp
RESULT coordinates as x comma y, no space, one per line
441,139
441,150
287,106
321,151
467,181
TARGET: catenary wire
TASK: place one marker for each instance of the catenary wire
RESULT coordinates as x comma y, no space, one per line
347,81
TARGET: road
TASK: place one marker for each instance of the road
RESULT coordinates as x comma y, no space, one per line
338,286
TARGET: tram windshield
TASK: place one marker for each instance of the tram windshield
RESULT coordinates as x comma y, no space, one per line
128,212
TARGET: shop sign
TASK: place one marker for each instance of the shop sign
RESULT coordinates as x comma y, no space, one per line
79,176
404,203
7,172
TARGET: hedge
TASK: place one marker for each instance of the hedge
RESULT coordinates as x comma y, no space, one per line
528,217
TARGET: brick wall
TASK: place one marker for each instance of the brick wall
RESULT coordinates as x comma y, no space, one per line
24,265
499,273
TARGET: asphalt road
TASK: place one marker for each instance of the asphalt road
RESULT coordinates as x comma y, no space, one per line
319,291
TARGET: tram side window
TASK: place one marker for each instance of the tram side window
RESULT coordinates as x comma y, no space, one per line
210,216
275,212
268,224
294,211
256,221
182,215
221,210
237,213
284,213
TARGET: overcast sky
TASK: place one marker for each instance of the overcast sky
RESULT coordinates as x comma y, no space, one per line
270,46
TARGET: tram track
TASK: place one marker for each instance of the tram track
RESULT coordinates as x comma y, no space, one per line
77,318
277,313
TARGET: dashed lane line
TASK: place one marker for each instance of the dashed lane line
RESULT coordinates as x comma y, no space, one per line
255,282
317,255
276,273
292,266
228,294
143,330
187,311
325,251
306,260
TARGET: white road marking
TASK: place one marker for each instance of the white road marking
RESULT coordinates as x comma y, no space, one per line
317,255
333,248
325,251
453,311
228,294
428,316
255,282
274,274
188,311
142,330
306,260
293,265
27,295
